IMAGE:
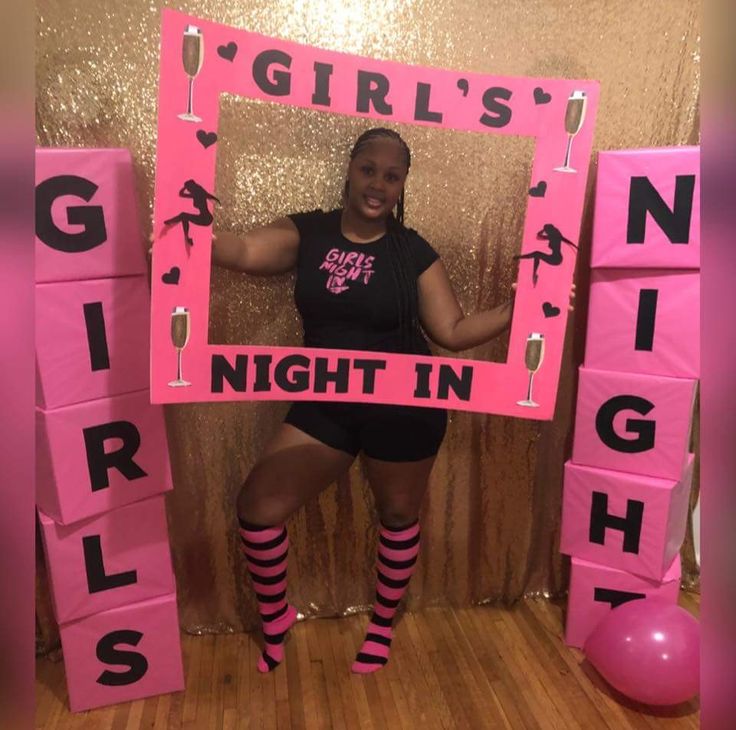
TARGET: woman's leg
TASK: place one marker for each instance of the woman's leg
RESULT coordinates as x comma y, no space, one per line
293,468
398,488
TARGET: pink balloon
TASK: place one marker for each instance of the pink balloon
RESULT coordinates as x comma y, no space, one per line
649,650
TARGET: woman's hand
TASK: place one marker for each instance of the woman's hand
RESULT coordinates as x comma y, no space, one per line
571,296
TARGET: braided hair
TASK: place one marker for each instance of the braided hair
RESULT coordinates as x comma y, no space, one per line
399,245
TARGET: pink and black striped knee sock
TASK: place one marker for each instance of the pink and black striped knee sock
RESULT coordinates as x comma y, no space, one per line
398,549
266,550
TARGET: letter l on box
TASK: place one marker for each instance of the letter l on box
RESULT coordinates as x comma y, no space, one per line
119,557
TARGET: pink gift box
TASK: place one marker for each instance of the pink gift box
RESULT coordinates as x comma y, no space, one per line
123,654
626,521
632,422
596,589
114,559
644,322
91,339
87,223
95,456
647,209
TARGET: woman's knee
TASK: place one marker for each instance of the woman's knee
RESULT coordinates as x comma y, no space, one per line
254,507
258,503
398,515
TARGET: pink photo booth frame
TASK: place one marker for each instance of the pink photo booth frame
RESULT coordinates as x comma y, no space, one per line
558,113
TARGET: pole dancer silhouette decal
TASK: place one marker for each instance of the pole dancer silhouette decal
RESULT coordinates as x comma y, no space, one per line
554,238
199,197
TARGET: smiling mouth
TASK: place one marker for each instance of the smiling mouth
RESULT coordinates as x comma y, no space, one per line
373,202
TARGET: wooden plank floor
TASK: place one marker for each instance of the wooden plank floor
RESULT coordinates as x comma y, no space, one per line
479,667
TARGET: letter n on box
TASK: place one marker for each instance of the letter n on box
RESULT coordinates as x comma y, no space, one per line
626,521
116,558
647,209
123,654
91,339
87,224
596,589
632,422
644,322
99,455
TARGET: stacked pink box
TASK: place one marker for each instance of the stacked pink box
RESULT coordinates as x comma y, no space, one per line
102,457
627,486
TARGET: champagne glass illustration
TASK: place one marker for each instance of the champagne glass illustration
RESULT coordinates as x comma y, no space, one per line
574,118
192,52
180,328
533,360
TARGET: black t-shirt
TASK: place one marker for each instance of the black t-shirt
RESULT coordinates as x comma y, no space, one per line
346,292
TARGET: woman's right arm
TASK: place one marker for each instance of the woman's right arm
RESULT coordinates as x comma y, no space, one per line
271,249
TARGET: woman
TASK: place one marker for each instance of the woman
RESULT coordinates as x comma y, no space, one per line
364,282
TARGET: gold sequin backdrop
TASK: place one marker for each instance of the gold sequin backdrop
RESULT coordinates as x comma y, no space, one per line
492,516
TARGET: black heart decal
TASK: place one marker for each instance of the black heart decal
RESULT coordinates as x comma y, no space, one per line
228,52
206,138
550,310
538,190
541,96
171,276
462,84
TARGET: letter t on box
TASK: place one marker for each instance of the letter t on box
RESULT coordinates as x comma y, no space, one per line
596,589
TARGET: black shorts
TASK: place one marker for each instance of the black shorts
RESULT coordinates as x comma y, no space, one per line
385,432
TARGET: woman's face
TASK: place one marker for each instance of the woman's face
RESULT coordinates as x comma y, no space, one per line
376,177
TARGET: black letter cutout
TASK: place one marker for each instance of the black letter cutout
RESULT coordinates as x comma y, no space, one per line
421,106
645,318
94,320
89,216
629,525
222,370
99,462
644,197
263,367
645,429
322,73
323,375
97,579
614,597
502,112
423,371
299,380
376,94
460,384
369,368
107,653
281,84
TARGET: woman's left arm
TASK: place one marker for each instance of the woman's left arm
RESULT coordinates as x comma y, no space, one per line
443,319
